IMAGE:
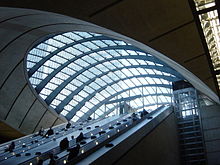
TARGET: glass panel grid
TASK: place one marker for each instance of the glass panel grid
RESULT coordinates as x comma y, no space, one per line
100,72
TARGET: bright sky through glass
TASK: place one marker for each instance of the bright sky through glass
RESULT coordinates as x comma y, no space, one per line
77,73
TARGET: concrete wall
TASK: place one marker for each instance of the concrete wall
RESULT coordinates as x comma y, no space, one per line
160,147
210,116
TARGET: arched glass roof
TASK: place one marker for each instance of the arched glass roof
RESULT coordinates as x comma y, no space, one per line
79,74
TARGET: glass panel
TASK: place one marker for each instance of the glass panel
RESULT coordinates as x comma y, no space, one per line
46,91
38,52
74,67
109,42
56,81
68,71
55,43
90,45
89,59
63,39
66,55
106,79
82,78
51,86
83,34
62,76
100,82
71,87
73,51
77,82
100,43
94,85
96,56
105,54
83,94
113,53
81,63
65,92
88,89
64,113
95,71
60,97
81,48
88,74
68,107
73,36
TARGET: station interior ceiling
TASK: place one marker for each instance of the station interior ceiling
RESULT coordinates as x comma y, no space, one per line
167,26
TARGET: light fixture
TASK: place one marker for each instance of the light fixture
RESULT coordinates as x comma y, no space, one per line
211,29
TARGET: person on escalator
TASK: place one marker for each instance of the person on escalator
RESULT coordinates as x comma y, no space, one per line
11,147
64,144
49,132
68,125
73,152
52,160
41,131
134,117
144,113
80,137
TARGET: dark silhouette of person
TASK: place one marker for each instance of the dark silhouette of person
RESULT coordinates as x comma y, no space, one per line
68,125
144,113
64,144
41,131
40,162
134,117
11,147
49,132
89,118
52,160
80,137
73,152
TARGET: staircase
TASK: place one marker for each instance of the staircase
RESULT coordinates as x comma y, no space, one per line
191,140
192,147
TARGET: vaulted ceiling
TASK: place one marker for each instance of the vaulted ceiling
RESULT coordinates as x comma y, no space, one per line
167,26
